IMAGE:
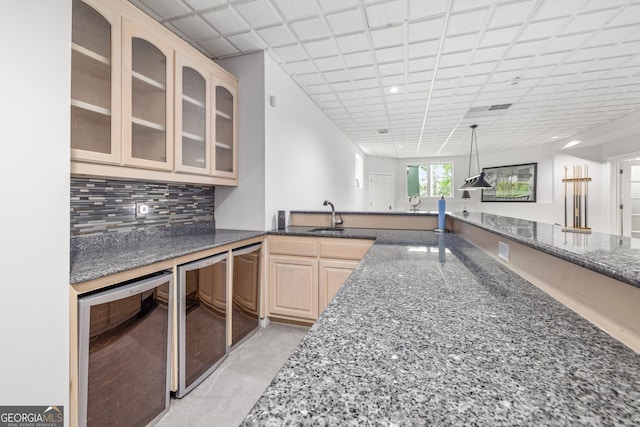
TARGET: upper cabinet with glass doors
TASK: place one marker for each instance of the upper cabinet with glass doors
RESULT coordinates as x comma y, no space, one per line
225,128
95,83
148,103
144,103
193,121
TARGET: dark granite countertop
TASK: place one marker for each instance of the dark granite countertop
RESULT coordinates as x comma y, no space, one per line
95,257
430,330
605,253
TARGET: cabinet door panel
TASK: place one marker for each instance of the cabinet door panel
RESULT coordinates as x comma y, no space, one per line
333,274
224,151
192,118
148,104
293,287
95,83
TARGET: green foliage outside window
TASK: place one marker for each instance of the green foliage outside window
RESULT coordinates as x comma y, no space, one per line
430,180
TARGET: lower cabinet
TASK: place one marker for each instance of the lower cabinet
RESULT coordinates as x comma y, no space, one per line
305,273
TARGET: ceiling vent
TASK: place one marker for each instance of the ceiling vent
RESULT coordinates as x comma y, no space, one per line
486,111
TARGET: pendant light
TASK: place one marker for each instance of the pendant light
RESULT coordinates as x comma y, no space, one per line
476,181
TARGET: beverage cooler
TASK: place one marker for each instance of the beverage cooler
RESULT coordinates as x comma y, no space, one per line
124,353
202,319
246,292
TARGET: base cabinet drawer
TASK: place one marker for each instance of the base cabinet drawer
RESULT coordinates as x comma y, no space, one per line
293,287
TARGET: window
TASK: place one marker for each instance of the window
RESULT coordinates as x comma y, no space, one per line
359,170
430,180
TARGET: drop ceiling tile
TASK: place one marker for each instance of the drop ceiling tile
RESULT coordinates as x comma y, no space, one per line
547,59
554,9
391,36
316,89
259,13
587,54
422,49
542,30
449,72
330,63
420,76
391,69
350,21
310,29
489,54
247,42
358,73
322,48
423,64
337,76
359,59
589,21
343,87
499,36
219,47
393,80
467,22
302,67
290,53
385,14
334,5
167,9
421,8
628,16
353,43
277,36
566,42
459,43
480,68
226,21
195,27
615,35
310,79
454,59
511,13
199,5
366,83
293,10
426,30
368,93
389,54
349,95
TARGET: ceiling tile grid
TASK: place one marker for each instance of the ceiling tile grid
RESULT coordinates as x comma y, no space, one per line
400,77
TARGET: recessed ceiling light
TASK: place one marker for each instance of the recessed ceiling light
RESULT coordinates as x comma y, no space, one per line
555,137
394,89
383,130
572,143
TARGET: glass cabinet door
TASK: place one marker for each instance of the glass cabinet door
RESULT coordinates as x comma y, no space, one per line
192,139
225,131
147,108
95,83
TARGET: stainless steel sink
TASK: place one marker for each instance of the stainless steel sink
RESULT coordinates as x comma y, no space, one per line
326,230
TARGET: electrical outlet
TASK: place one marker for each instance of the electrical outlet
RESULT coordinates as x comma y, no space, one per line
141,210
503,251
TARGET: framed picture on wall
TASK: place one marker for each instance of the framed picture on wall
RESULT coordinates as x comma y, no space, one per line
513,183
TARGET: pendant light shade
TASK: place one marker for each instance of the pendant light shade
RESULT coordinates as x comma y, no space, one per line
476,181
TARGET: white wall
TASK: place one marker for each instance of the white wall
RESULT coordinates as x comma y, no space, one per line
34,217
308,158
243,207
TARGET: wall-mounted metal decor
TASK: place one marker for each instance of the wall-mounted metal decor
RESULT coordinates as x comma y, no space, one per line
513,183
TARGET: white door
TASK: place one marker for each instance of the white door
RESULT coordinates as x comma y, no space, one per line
631,198
380,191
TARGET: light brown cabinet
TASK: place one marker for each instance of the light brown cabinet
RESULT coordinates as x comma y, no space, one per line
145,104
305,273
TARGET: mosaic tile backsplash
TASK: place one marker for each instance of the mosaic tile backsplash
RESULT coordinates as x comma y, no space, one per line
101,206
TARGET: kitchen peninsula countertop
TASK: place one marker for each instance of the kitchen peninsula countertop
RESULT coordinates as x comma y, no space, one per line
430,330
607,254
99,256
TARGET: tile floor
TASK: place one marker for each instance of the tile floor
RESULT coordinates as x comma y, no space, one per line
225,398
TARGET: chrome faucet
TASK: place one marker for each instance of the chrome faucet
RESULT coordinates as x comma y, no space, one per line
334,220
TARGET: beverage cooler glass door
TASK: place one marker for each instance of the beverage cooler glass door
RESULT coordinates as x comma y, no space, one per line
245,316
202,320
124,353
